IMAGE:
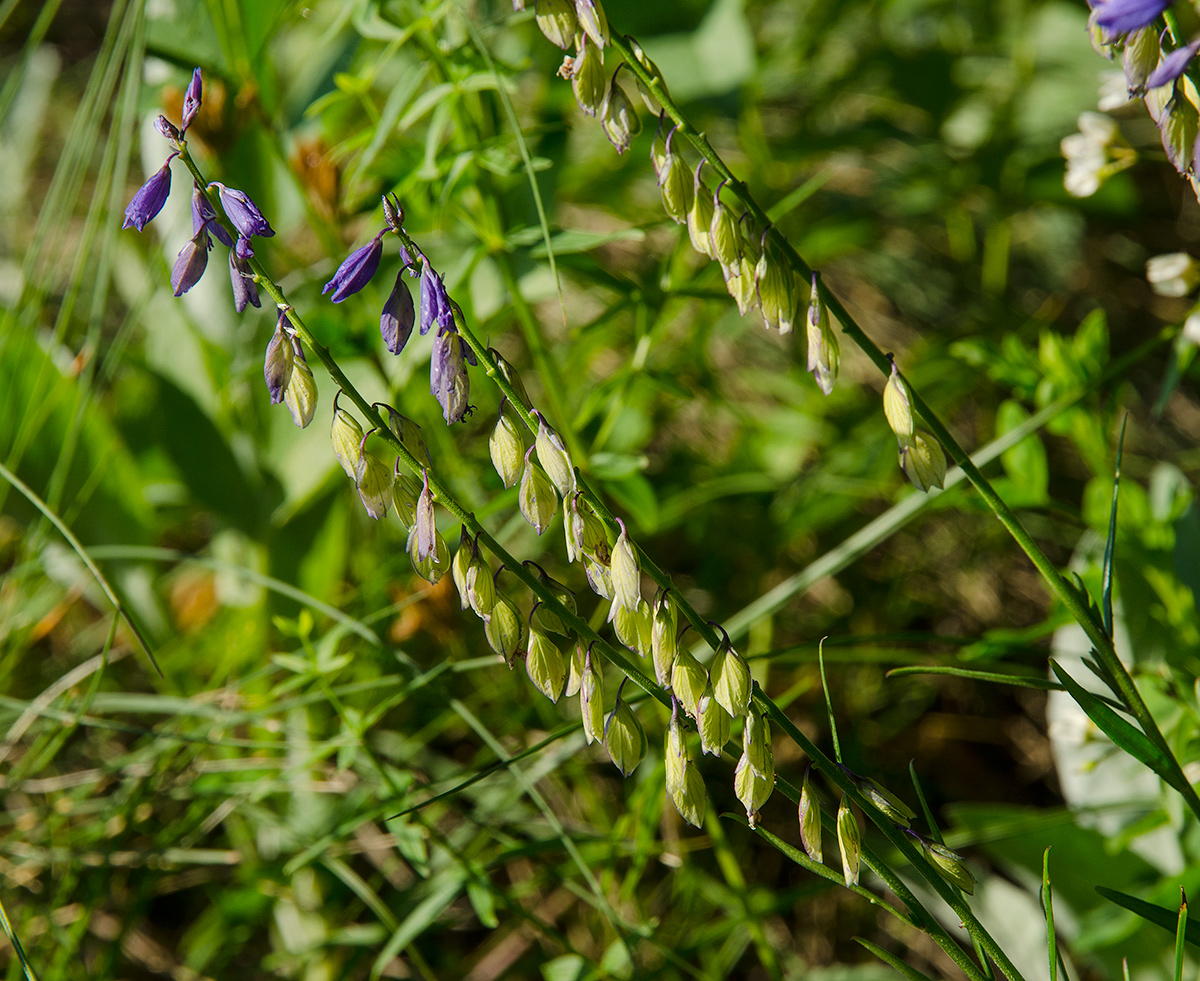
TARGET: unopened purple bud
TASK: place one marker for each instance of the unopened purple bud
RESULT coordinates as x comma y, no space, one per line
150,197
191,100
393,214
167,129
243,249
277,366
1172,65
190,263
433,294
448,380
243,212
411,266
1121,16
203,214
241,277
353,274
399,315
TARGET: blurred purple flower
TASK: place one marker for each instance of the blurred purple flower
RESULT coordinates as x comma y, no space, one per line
435,304
245,290
150,197
190,263
396,322
1122,16
353,274
203,214
243,249
191,100
1173,65
243,212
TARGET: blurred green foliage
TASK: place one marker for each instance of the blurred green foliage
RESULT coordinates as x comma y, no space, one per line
252,813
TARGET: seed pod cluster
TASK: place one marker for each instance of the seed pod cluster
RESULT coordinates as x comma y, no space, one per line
921,456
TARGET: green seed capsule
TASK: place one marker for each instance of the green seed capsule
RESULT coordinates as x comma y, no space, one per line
459,565
624,737
897,406
674,184
591,700
575,663
618,117
553,456
300,396
753,789
776,298
507,445
537,498
346,435
556,18
590,14
730,676
810,820
824,354
688,680
545,618
405,491
684,783
374,482
545,664
713,722
599,578
884,800
849,843
951,865
626,576
756,744
724,238
664,638
409,434
432,566
587,78
699,220
923,461
503,628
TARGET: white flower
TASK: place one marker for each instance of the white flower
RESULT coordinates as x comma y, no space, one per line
1114,91
1093,154
1173,274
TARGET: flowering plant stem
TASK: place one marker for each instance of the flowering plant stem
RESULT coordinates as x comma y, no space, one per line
617,655
1101,641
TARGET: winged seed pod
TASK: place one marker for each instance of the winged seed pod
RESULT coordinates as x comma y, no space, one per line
409,434
664,638
626,576
511,376
849,842
724,237
658,146
752,788
590,15
591,700
884,800
433,566
650,69
543,617
459,565
923,461
277,365
553,456
481,587
507,445
756,744
587,77
824,354
897,406
713,723
300,396
810,820
346,435
618,118
674,184
951,865
776,297
575,663
425,525
624,737
556,19
684,783
374,482
503,629
591,538
1178,126
537,498
688,680
599,577
405,491
699,219
545,664
730,676
1140,58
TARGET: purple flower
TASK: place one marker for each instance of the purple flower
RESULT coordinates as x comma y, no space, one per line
243,249
191,100
243,212
1122,16
277,366
448,379
433,299
1172,65
245,290
396,322
203,214
353,274
167,129
150,197
190,263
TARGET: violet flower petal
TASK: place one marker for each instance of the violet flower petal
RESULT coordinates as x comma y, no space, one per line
1172,66
243,249
190,263
1122,16
431,293
191,100
202,212
241,277
353,274
399,315
150,197
243,212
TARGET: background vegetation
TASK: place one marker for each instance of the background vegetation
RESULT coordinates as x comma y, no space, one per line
265,807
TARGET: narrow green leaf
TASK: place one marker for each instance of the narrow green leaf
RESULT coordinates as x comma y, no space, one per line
1180,932
892,961
1168,919
1106,594
1128,737
1048,907
837,748
934,833
16,945
997,677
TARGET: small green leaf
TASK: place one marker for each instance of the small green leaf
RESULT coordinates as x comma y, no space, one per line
483,903
1168,919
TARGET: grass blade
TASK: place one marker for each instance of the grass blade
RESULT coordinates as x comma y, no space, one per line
892,961
1180,932
1110,544
1048,907
1168,919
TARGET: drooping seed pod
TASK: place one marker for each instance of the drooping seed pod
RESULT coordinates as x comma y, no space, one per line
688,680
730,676
651,69
674,184
624,737
923,461
591,538
346,435
849,838
503,629
752,788
624,623
724,236
459,565
700,216
599,577
658,146
897,406
591,699
1178,125
374,481
588,80
425,525
553,456
774,281
952,865
300,396
511,376
810,820
664,638
685,786
713,723
556,19
545,664
277,365
618,118
824,354
481,587
1140,58
434,565
885,801
626,576
405,491
507,445
545,618
537,497
590,15
743,287
756,744
409,434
